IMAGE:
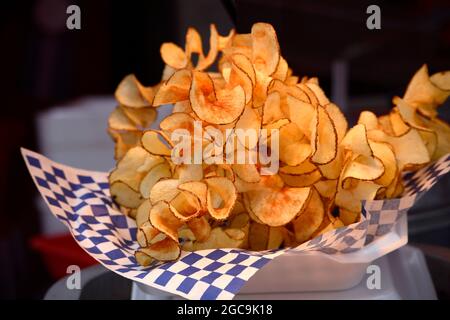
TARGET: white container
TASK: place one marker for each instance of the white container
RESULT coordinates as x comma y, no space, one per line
317,271
310,271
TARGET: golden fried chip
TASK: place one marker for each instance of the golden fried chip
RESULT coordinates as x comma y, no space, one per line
155,174
327,188
143,213
277,207
356,140
258,236
350,199
409,148
205,62
147,234
200,227
349,217
141,117
385,153
198,189
265,48
360,167
175,89
162,218
185,206
164,250
276,237
310,218
323,138
118,120
156,143
132,94
164,190
124,195
246,172
249,123
173,55
219,238
272,108
215,106
301,113
368,119
339,121
294,146
223,189
128,168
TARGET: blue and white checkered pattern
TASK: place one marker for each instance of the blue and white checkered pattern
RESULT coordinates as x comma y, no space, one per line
419,182
81,200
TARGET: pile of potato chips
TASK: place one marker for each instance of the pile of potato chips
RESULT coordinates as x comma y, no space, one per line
325,170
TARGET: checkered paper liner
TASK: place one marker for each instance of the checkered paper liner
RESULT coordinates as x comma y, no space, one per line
81,200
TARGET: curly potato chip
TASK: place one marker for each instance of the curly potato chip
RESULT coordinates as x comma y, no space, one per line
164,190
356,140
368,119
281,72
185,206
318,92
442,130
124,140
426,93
402,145
301,180
250,123
156,143
164,250
294,146
349,217
216,107
141,117
219,238
361,167
226,191
155,174
127,169
193,43
205,62
162,219
148,235
285,90
124,195
131,93
272,108
118,120
177,120
277,207
240,76
246,172
385,153
258,237
265,48
327,188
173,55
200,227
175,89
350,199
310,218
323,138
143,213
339,121
301,113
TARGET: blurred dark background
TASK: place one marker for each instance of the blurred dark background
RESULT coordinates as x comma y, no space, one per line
43,65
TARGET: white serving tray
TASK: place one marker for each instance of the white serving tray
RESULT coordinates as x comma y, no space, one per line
313,271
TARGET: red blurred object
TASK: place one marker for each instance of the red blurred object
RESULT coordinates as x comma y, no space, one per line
59,252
